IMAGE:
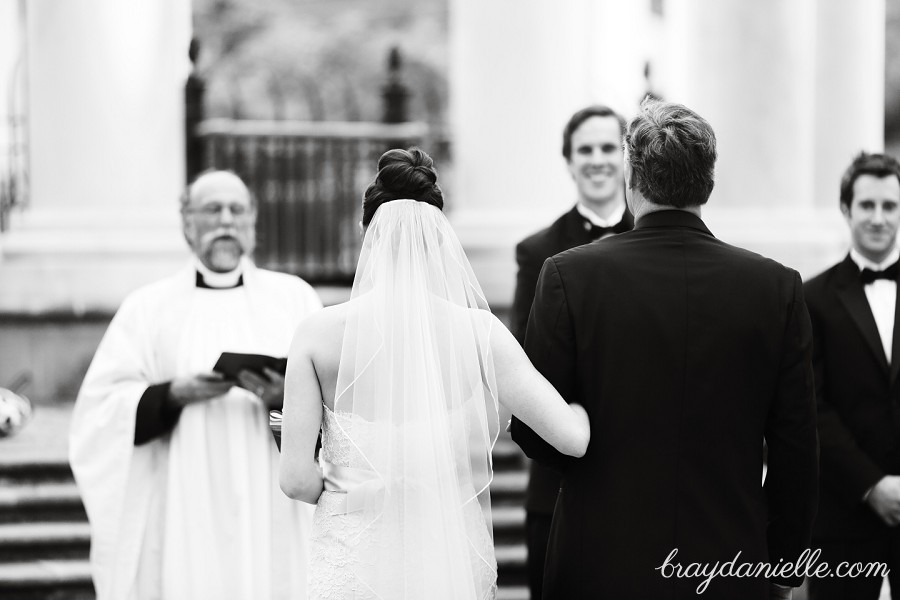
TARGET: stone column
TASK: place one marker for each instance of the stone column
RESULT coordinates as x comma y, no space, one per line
793,90
849,116
106,142
749,69
518,72
106,110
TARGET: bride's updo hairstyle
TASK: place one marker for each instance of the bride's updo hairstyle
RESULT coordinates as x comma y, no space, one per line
402,175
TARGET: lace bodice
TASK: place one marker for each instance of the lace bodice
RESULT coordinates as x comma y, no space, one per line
336,445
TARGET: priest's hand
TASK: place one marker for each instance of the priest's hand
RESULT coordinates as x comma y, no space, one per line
198,388
269,386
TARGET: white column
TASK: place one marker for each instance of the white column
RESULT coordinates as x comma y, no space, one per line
518,72
793,91
11,77
749,69
106,116
849,114
105,123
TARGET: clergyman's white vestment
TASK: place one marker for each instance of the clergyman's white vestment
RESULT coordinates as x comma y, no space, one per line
196,513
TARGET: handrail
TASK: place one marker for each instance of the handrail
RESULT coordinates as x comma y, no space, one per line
313,129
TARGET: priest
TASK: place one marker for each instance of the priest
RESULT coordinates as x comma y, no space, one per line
175,463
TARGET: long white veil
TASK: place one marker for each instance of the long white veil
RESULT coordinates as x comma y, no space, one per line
416,369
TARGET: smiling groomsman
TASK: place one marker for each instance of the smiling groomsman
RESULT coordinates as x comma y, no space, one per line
592,147
853,307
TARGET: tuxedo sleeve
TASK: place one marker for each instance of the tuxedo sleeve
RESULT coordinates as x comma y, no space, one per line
549,343
842,459
526,281
792,479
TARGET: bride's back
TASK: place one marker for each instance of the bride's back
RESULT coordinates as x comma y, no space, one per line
329,332
405,374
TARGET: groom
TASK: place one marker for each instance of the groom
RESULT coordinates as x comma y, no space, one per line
701,353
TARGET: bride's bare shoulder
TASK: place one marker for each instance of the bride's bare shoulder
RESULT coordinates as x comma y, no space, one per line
321,326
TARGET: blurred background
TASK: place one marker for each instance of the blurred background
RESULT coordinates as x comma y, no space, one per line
107,108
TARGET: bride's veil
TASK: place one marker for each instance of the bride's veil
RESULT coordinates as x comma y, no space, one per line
417,376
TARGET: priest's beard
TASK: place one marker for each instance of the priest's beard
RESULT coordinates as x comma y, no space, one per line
223,254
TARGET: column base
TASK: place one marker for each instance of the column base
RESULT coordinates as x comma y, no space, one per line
85,260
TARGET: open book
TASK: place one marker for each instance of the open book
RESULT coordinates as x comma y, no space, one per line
232,363
275,426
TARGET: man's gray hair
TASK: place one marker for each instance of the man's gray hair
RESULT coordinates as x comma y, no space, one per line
672,153
185,198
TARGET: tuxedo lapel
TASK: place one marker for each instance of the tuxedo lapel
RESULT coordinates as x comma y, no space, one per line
853,296
895,344
574,234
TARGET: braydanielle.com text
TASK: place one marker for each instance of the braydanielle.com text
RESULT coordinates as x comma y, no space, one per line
804,566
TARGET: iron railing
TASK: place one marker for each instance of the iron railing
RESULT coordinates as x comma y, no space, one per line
14,151
308,178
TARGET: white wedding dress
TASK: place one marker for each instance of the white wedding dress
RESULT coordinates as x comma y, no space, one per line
341,542
406,452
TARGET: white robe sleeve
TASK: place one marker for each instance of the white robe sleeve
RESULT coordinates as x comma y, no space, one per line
116,480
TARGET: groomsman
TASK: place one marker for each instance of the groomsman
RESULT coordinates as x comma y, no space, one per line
592,147
687,353
856,359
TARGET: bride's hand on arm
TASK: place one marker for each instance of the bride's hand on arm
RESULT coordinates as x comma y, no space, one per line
533,400
299,475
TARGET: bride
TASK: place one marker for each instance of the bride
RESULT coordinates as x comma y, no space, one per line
404,381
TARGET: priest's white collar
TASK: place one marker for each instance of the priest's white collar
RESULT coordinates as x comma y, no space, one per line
220,280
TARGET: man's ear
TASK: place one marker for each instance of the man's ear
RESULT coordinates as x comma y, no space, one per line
570,169
188,231
845,210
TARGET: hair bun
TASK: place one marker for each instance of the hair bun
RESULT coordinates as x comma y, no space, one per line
402,174
407,173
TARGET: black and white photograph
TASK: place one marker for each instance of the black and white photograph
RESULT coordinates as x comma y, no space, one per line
449,299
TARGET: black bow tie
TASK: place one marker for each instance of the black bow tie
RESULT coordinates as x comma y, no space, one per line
596,232
869,276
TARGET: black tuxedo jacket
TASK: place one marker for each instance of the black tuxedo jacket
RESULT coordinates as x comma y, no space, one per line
686,353
859,402
567,232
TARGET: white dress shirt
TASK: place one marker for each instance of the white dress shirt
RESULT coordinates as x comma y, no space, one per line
882,296
613,219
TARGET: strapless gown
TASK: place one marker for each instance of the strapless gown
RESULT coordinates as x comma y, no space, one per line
342,541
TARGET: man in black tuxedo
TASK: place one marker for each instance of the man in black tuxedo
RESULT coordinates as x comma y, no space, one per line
687,353
853,310
592,147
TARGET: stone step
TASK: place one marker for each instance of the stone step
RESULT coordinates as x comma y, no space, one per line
508,488
511,559
24,542
46,580
71,580
39,502
507,455
509,524
515,592
13,472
